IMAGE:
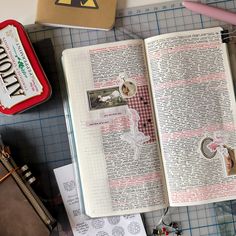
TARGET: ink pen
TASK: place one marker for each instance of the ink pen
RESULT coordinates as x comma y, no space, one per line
214,12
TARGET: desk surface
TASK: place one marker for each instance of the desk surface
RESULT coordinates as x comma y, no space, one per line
39,136
11,8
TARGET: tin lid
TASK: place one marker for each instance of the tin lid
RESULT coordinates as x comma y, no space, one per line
23,83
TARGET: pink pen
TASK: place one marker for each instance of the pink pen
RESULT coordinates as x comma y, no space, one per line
210,11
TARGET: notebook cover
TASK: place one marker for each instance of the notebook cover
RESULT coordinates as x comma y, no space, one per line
17,216
96,14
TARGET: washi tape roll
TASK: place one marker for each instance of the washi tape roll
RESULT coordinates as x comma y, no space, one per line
23,83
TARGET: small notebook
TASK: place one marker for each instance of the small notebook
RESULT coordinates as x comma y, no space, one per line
96,14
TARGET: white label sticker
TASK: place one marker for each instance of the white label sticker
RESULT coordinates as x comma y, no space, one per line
18,82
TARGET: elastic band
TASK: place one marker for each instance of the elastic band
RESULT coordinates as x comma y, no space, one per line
8,174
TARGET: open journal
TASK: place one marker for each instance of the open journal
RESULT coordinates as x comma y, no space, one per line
154,122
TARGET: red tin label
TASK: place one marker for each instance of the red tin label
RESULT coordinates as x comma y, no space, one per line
23,83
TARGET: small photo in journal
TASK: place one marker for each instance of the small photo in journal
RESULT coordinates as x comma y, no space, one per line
211,146
128,89
229,161
105,98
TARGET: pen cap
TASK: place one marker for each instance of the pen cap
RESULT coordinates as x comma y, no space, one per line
211,11
23,83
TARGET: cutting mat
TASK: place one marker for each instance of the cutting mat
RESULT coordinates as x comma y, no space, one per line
39,136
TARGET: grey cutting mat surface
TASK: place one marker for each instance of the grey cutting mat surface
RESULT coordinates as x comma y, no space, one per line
39,136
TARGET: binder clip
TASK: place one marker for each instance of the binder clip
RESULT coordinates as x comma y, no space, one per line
228,35
225,36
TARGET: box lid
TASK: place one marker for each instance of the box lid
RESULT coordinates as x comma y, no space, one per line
23,83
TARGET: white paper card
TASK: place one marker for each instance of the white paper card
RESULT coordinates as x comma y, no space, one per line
128,225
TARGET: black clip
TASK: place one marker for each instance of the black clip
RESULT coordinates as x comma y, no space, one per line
225,36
